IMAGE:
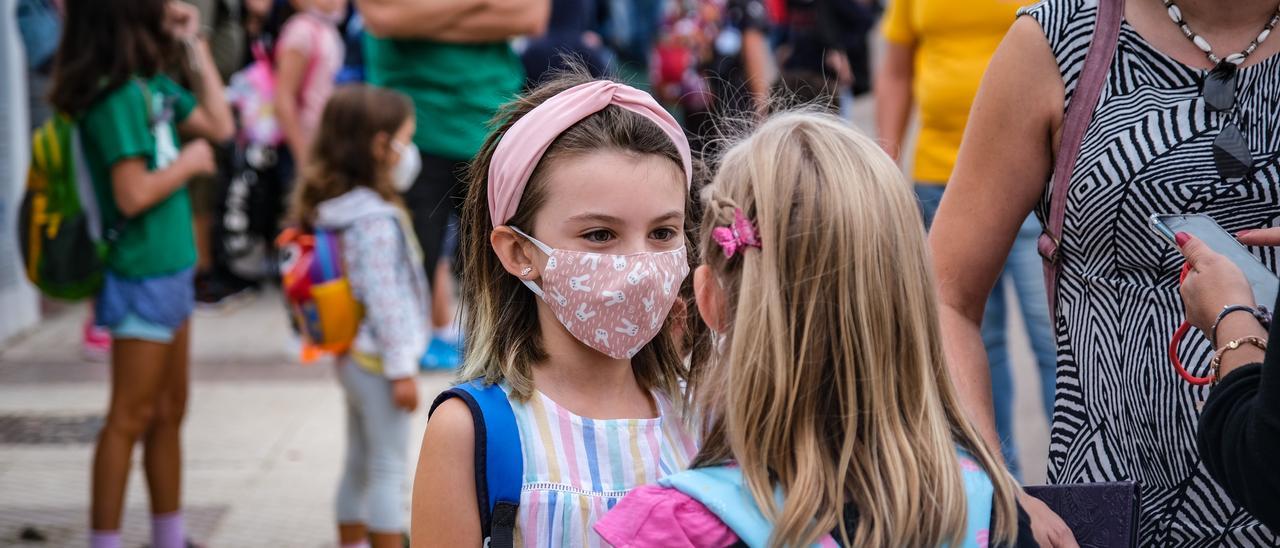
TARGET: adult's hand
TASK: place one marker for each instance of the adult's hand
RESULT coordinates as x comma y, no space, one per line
1261,237
1049,529
1214,282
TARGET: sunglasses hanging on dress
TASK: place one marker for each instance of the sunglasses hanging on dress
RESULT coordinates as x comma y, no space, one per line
1231,152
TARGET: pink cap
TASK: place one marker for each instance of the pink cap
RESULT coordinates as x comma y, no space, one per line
523,145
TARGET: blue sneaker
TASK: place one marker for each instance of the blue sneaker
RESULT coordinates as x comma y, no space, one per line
441,355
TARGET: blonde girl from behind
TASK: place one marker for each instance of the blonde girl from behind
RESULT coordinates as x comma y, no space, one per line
827,388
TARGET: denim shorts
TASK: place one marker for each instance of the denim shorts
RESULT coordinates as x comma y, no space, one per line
134,327
150,309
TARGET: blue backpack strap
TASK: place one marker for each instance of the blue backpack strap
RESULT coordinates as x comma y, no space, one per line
499,458
979,493
722,491
326,258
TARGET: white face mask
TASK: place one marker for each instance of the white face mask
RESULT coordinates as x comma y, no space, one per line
406,170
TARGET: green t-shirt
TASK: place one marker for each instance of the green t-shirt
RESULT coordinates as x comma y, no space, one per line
118,127
456,88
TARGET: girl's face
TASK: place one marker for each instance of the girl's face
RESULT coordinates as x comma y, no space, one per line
398,141
613,202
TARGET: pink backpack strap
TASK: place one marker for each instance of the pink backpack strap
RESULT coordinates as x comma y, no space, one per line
1097,64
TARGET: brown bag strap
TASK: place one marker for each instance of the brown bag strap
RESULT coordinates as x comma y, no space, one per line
1097,64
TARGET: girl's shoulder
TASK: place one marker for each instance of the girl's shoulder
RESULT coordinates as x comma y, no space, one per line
302,31
656,516
359,205
127,95
134,97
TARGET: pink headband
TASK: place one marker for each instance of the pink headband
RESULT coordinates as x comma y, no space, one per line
523,145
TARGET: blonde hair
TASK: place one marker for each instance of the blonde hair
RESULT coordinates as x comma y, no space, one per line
504,338
831,385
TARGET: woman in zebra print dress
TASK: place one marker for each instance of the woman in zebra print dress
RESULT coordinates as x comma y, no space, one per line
1121,411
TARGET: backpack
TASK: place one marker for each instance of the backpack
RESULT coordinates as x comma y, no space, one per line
723,491
248,210
499,458
252,92
59,223
318,293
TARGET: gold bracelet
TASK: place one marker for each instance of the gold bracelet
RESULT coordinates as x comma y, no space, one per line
1258,342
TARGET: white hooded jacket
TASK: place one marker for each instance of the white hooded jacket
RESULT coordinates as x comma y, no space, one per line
384,266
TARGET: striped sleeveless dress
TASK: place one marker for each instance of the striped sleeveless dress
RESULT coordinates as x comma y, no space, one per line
576,469
1121,412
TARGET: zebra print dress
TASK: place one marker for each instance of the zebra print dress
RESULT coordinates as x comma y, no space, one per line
1121,413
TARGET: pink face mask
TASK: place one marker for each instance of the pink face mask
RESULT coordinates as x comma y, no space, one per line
615,304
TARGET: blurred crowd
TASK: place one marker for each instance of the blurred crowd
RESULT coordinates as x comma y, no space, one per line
387,163
711,61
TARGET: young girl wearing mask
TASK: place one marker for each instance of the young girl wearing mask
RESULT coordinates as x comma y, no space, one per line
574,253
361,159
830,417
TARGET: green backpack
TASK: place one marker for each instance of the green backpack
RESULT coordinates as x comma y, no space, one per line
59,224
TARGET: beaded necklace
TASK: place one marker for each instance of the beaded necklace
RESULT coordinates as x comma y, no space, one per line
1175,13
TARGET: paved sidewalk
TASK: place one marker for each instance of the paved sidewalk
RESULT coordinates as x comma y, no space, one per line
263,437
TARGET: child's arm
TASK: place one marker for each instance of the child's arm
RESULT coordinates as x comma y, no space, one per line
291,65
136,189
211,118
444,511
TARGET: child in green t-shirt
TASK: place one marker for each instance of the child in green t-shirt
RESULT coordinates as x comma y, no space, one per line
108,76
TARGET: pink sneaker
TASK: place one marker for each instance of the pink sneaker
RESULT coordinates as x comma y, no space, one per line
96,345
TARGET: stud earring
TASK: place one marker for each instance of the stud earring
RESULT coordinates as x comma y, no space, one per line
527,270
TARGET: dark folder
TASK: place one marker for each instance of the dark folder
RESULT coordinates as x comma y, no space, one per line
1101,515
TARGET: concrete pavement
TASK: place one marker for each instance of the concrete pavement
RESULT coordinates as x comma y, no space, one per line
263,438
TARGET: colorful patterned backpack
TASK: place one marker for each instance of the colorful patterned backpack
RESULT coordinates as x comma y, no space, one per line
323,309
252,92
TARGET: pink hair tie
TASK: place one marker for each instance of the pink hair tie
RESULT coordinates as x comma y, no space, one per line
524,143
739,235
